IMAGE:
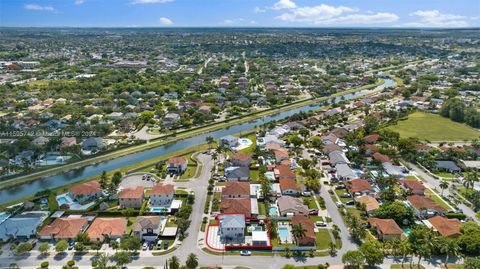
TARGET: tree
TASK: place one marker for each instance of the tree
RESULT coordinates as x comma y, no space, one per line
353,259
397,211
101,261
130,243
174,263
472,263
82,237
470,179
183,225
298,232
122,258
450,248
333,249
23,248
404,249
44,248
372,251
79,246
116,178
61,246
192,261
103,180
443,185
209,140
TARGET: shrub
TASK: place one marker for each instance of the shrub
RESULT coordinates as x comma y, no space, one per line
44,264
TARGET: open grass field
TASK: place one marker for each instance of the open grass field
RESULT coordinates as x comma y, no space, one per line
432,127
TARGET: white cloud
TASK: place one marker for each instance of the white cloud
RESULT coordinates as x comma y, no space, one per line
165,21
238,21
284,4
137,2
434,18
35,7
79,2
259,10
340,15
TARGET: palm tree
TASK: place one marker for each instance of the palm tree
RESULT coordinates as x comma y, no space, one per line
470,179
192,261
404,249
450,248
209,140
443,185
298,232
174,263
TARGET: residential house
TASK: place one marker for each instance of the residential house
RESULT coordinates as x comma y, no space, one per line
448,166
231,226
162,195
309,238
414,186
387,229
236,190
344,172
131,197
86,191
236,205
147,228
235,173
284,172
445,227
381,157
290,187
241,159
358,187
371,139
93,143
371,204
22,226
280,155
177,165
338,157
424,207
68,142
288,205
112,228
63,228
229,141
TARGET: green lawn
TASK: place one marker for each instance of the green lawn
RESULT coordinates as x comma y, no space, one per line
261,209
434,197
250,149
311,202
323,239
432,127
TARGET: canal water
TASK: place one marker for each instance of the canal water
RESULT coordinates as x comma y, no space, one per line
17,192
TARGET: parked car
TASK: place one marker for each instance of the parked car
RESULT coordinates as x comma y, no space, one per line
159,244
350,202
345,195
320,224
340,187
306,193
313,212
145,246
165,245
245,253
339,204
150,246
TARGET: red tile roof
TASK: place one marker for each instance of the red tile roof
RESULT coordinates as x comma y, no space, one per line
236,189
107,226
87,188
289,184
64,228
381,157
236,205
242,156
162,189
131,193
177,161
386,226
309,227
358,185
413,185
422,202
371,138
285,172
446,227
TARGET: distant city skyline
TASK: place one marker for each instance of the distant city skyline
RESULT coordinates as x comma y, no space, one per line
240,13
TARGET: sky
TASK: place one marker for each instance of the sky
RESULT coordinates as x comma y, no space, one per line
241,13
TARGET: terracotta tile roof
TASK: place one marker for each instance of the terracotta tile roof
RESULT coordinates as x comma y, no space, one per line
87,188
358,185
289,184
107,226
370,202
241,156
236,188
162,189
176,161
309,227
286,162
370,147
272,146
422,147
386,226
413,185
284,171
236,205
422,202
381,157
446,227
131,193
281,154
371,138
64,228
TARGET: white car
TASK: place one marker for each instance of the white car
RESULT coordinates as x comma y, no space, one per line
245,253
145,246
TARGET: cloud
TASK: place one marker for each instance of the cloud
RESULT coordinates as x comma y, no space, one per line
330,15
79,2
35,7
165,21
284,4
139,2
259,10
434,18
238,21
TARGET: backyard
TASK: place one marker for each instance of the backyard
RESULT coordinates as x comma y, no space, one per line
439,128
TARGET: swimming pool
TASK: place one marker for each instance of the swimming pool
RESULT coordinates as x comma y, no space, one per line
283,233
406,231
61,200
273,211
159,209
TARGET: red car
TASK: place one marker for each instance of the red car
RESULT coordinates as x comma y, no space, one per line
313,212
